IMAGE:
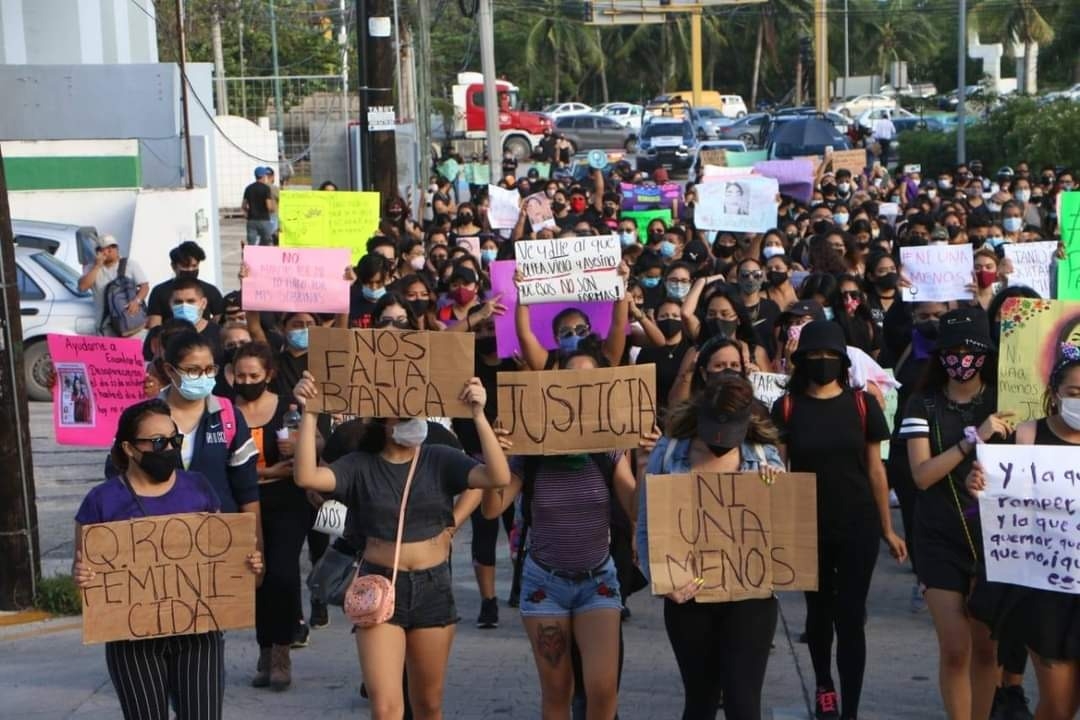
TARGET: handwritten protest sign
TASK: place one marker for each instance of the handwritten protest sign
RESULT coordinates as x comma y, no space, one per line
538,210
746,538
449,169
1031,263
331,517
795,177
642,218
97,378
745,159
1068,207
1031,334
390,373
329,219
743,205
1030,512
296,279
854,161
541,316
581,269
504,210
768,387
649,196
557,412
167,575
477,173
715,156
938,272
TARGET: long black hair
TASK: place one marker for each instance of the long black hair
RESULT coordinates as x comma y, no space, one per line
745,329
799,381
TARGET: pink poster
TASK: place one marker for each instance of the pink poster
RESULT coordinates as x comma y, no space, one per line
502,281
296,279
97,378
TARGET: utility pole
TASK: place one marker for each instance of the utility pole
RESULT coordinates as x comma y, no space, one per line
379,150
277,80
961,86
695,56
240,32
343,42
19,568
821,57
799,73
847,50
184,91
219,61
423,86
491,97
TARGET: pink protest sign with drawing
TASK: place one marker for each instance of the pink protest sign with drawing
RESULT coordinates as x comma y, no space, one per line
296,279
97,378
541,316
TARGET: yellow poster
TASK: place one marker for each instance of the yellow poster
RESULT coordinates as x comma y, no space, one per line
1031,333
312,219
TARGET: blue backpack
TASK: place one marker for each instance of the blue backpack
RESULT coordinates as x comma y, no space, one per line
119,294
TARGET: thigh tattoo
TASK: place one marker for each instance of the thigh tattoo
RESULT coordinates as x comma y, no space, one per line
551,643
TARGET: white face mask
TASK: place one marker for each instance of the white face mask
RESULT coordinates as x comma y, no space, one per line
1070,412
771,251
410,433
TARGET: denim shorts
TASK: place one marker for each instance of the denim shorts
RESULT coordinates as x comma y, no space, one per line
548,593
423,598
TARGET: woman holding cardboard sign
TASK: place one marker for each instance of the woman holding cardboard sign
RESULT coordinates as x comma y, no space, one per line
408,538
722,648
190,669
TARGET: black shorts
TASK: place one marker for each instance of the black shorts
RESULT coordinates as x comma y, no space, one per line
423,598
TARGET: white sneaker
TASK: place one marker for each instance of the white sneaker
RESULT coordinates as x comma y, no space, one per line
894,502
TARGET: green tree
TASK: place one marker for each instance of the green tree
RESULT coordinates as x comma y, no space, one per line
1020,21
885,31
566,45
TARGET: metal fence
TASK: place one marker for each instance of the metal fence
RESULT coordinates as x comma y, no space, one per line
311,105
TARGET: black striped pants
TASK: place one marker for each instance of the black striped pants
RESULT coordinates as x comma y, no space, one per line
188,669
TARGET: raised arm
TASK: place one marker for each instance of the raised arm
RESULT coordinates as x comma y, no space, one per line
534,354
615,342
306,471
495,472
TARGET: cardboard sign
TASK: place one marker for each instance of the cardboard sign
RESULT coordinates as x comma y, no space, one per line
329,219
541,317
97,378
1068,206
717,157
642,218
1030,512
938,272
746,538
853,161
298,279
504,209
538,210
167,575
1031,263
738,205
1031,334
390,373
649,196
558,412
795,177
580,269
768,387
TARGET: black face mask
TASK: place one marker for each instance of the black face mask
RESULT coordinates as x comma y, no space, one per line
250,391
486,345
719,450
419,307
828,189
776,277
187,274
160,466
670,327
230,354
887,281
557,206
928,329
724,251
715,327
822,226
823,371
609,211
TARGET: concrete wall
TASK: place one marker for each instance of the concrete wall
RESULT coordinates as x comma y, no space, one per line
250,146
76,32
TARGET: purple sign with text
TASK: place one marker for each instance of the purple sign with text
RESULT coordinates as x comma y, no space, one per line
540,316
649,197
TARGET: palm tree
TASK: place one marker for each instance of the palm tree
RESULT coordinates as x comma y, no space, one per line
566,41
646,44
894,30
1016,22
790,13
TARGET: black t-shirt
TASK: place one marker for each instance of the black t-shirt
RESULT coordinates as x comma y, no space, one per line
290,368
668,359
361,310
266,435
158,302
212,334
488,374
255,195
764,317
825,437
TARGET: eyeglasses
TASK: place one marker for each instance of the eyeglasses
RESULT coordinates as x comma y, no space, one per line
196,373
580,330
158,444
401,323
234,346
751,275
677,281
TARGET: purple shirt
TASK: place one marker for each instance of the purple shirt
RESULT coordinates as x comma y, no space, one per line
112,500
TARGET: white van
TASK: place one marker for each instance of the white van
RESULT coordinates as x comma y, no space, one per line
733,106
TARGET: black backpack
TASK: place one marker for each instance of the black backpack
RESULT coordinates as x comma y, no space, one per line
119,293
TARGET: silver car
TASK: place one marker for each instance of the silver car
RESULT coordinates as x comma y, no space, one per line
50,302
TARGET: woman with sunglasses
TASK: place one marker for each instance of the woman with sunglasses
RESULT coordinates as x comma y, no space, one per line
187,669
750,276
851,312
393,312
570,327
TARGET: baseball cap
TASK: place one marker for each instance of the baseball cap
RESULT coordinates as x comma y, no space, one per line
804,308
105,241
260,172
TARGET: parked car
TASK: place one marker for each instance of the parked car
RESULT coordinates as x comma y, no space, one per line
732,145
1072,94
556,109
71,244
708,121
666,142
626,114
50,302
589,131
731,106
747,129
861,103
799,136
866,118
974,96
842,122
906,124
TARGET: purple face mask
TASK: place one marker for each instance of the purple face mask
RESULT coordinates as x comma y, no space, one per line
963,366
